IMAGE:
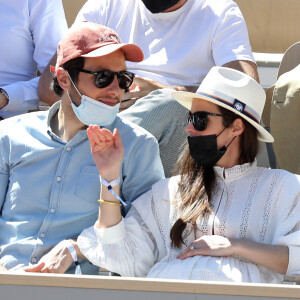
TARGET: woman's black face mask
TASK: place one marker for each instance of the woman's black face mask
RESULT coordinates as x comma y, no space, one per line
204,150
157,6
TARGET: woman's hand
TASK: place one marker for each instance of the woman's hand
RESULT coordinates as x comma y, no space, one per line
107,150
274,257
208,245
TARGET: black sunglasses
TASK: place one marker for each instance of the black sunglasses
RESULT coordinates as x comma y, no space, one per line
199,119
105,78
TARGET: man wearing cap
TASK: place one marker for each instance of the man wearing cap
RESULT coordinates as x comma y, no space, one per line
182,40
49,184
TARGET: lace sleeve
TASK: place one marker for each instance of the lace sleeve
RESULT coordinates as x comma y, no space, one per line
127,248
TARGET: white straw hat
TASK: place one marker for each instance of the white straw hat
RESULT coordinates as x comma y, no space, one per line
233,90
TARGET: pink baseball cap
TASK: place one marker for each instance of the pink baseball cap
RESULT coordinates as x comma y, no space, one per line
87,39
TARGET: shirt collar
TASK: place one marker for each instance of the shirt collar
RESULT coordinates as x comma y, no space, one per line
234,172
52,111
168,16
79,137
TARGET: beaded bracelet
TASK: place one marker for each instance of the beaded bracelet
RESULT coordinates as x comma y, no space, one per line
109,202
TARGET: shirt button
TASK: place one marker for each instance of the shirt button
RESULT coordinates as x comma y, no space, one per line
33,259
68,148
52,210
58,178
43,234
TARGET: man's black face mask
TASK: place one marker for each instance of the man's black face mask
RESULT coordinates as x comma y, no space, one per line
157,6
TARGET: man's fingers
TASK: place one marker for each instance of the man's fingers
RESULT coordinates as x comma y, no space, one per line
126,96
103,134
3,269
90,137
97,134
56,267
127,103
137,93
51,270
180,88
35,268
138,80
93,131
118,139
107,135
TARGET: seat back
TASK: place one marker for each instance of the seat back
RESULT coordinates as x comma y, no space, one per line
290,60
278,106
282,109
285,120
72,8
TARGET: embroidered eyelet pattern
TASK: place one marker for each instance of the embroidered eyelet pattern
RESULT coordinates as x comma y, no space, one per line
248,204
268,205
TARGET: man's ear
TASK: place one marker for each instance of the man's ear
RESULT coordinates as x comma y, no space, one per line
63,78
238,127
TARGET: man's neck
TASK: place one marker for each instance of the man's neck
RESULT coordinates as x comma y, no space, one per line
65,124
176,6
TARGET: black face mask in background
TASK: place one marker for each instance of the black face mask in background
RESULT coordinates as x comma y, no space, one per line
157,6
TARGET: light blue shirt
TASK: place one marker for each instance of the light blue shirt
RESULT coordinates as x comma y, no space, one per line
49,188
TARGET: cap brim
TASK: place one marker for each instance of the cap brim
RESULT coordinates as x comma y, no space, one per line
186,100
132,52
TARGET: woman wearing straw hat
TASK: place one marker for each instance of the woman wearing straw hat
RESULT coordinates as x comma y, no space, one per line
222,218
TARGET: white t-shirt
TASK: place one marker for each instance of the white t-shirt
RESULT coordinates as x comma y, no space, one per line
30,31
180,47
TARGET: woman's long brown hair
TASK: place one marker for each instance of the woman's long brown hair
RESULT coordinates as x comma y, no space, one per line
196,184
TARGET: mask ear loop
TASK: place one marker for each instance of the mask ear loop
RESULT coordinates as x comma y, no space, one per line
231,142
222,131
225,147
75,89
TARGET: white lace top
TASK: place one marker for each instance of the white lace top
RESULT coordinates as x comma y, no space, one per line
249,202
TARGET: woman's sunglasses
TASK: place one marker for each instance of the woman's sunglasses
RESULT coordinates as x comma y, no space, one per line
199,119
105,78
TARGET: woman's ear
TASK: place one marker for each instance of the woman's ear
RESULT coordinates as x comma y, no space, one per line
238,127
63,78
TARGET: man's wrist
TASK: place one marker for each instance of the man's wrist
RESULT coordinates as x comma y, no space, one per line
70,244
110,176
4,98
75,245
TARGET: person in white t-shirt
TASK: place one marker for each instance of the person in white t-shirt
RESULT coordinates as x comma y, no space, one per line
30,31
222,218
182,40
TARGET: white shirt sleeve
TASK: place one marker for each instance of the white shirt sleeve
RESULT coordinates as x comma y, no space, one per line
47,26
127,248
231,40
288,221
